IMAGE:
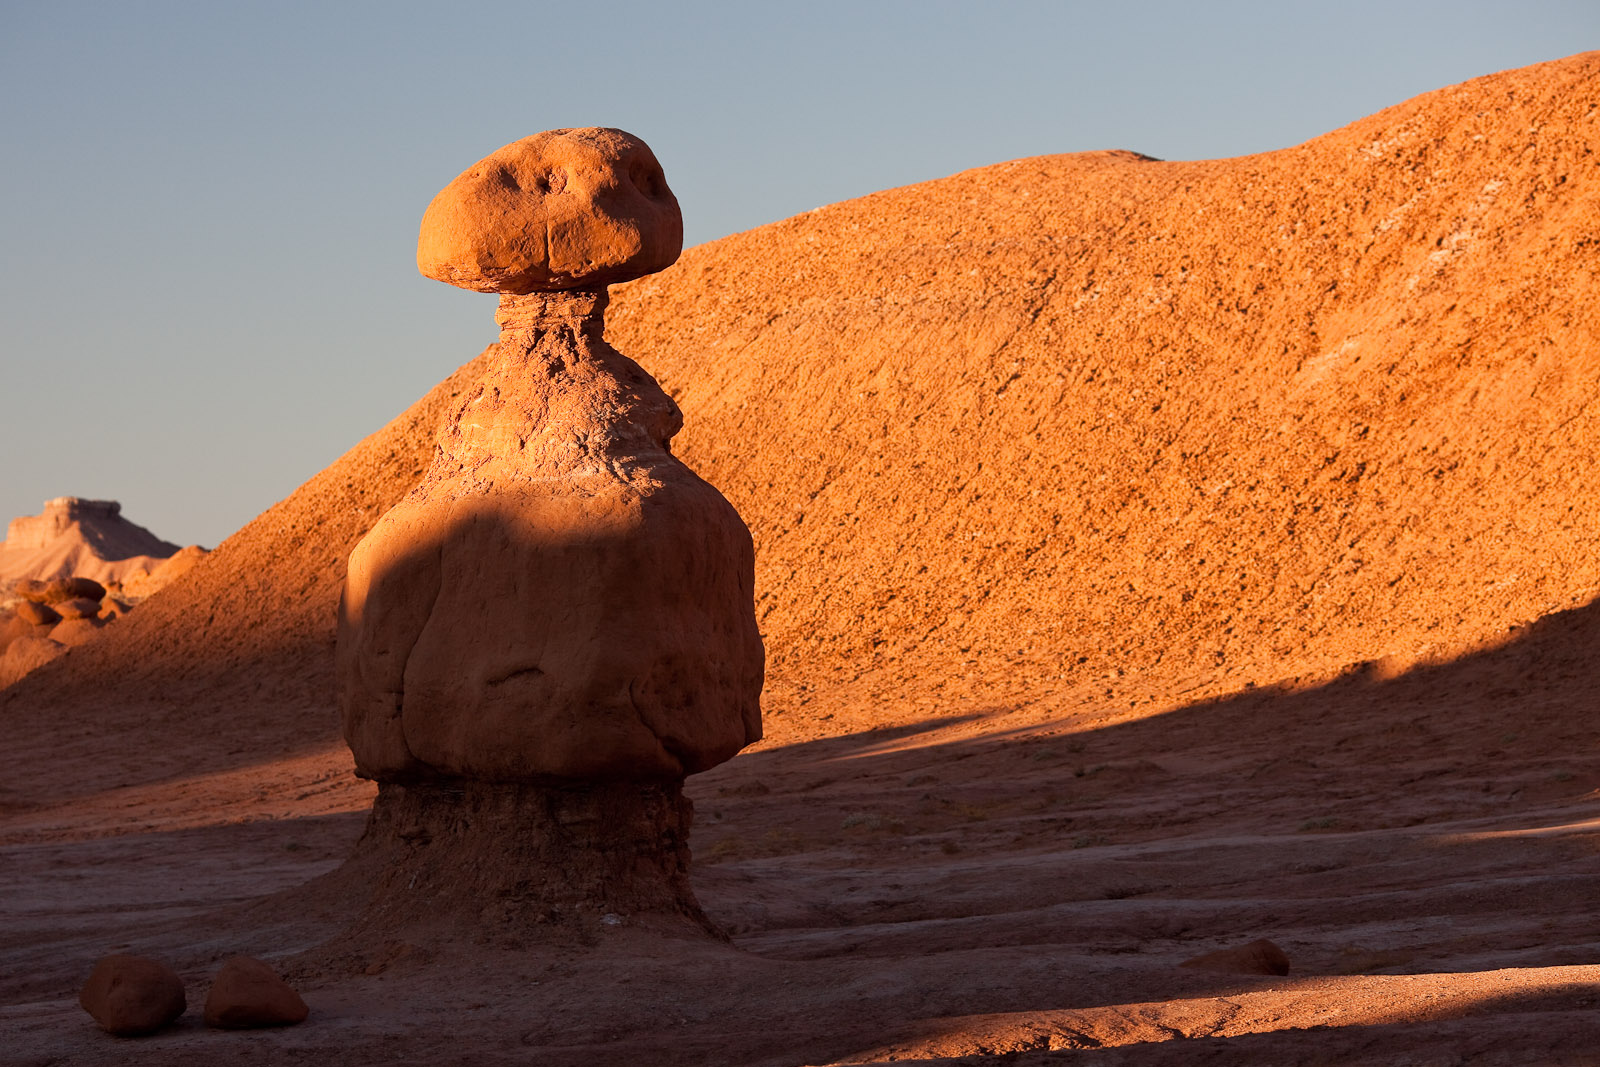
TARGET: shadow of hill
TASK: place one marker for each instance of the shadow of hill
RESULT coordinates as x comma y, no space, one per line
1453,793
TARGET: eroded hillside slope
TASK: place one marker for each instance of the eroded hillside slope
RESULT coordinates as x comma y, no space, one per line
1037,424
1086,412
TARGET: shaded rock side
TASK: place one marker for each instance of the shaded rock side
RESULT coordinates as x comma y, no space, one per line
130,996
36,614
248,994
520,862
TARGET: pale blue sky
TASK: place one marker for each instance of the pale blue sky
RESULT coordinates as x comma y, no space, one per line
208,210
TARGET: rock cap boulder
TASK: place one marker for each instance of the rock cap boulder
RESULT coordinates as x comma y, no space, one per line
563,209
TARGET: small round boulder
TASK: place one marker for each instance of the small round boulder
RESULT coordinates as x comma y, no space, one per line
36,614
249,994
130,996
564,209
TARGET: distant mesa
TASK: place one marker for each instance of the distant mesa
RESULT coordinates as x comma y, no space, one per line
69,570
83,538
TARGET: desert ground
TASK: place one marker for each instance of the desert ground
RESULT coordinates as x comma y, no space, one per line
1151,557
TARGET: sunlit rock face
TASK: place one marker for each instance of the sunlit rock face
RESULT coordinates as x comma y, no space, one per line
559,597
559,210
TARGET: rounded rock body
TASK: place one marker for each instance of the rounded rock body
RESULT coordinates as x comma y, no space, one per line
248,994
560,597
564,209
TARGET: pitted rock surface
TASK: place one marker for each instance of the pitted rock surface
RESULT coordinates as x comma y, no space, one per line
563,209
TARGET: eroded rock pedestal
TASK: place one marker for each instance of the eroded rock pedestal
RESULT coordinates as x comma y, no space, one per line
557,625
505,862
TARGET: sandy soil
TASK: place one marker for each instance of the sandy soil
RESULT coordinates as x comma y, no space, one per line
1272,642
1004,878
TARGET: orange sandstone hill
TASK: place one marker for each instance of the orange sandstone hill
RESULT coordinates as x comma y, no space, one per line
1066,420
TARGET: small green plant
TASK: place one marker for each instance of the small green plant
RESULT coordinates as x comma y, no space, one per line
1325,823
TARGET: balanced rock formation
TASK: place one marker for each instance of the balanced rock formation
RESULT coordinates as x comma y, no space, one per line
248,994
130,996
556,625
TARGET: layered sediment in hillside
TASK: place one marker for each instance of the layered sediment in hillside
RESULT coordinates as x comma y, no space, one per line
1047,421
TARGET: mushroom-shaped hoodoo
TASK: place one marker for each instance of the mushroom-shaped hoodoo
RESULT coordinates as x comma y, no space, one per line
557,624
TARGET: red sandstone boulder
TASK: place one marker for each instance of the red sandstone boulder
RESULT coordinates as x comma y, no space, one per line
1258,957
78,608
74,632
37,614
130,995
562,209
30,589
248,994
62,589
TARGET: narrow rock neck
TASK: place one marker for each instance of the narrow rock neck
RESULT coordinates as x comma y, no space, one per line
554,396
575,312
